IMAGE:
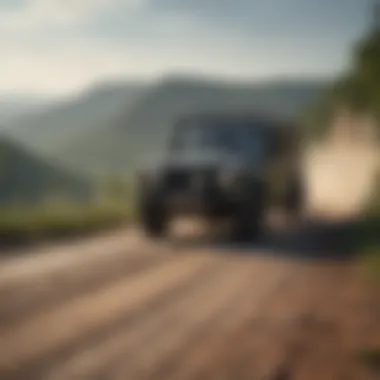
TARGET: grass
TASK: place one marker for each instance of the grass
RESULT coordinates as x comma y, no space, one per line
21,224
371,359
367,244
366,239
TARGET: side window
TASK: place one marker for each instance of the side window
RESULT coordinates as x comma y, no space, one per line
232,139
257,143
187,137
191,137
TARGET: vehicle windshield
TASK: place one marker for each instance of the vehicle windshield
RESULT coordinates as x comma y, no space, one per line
241,139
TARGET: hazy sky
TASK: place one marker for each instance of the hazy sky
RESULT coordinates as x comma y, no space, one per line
64,45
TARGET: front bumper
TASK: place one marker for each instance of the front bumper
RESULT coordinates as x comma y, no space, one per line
178,195
208,204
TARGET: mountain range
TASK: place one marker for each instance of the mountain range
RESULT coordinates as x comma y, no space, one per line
15,107
112,127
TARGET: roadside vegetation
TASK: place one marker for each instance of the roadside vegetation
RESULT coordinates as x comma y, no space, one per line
367,237
358,91
57,218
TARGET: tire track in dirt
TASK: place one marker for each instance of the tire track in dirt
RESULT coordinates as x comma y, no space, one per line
90,362
290,337
74,357
221,306
76,319
33,263
36,272
147,313
260,347
23,291
20,303
202,350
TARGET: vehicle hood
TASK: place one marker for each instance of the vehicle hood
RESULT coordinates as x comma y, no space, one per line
197,159
210,158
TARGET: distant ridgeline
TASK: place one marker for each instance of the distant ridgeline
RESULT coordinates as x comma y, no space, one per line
24,177
112,128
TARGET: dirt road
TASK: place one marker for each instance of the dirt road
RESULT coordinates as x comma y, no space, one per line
120,307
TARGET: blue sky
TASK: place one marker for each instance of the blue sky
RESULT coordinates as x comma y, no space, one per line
60,46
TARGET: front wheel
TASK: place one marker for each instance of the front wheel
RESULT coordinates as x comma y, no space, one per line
246,228
247,223
294,203
154,221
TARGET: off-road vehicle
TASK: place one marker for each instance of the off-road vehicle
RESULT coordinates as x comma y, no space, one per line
222,166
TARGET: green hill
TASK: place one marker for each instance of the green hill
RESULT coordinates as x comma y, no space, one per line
75,118
24,177
14,107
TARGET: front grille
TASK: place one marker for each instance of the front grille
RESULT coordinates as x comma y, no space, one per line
178,179
187,179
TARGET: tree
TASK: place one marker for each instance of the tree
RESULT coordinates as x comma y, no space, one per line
358,89
360,86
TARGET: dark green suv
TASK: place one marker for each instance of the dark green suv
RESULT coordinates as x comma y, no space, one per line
222,166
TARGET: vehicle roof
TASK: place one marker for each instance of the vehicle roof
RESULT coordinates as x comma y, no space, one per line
267,119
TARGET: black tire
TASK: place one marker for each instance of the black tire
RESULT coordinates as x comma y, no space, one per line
154,221
294,202
247,223
245,228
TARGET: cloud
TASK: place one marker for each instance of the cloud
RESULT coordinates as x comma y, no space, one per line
37,15
75,65
279,17
59,70
65,45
